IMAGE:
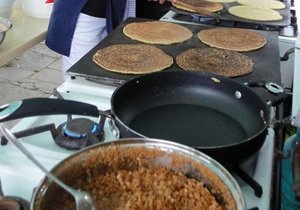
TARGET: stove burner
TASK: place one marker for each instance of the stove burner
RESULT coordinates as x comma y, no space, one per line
79,133
73,134
79,128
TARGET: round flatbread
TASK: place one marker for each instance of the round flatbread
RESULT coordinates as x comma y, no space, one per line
236,39
189,4
255,13
157,32
222,62
271,4
132,58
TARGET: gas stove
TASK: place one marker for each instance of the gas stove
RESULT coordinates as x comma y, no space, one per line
287,35
20,176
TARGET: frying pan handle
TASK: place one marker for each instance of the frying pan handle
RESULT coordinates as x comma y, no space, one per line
273,88
280,98
45,106
270,86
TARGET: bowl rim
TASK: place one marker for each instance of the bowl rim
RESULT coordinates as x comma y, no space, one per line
196,155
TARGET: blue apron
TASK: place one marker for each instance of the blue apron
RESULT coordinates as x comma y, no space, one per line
64,17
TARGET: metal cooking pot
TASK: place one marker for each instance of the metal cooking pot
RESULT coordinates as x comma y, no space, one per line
73,169
217,115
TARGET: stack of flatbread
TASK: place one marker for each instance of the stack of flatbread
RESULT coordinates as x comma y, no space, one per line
237,39
217,61
157,32
132,58
257,13
271,4
191,5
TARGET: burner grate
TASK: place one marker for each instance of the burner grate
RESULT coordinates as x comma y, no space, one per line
244,172
79,133
74,134
258,190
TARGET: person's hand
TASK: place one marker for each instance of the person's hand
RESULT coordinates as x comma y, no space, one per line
163,1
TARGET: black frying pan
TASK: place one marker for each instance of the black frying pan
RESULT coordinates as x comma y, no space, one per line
215,114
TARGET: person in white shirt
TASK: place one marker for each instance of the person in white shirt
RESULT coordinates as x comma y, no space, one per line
76,26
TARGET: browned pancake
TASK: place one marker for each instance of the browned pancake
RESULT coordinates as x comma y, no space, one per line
222,62
255,13
189,4
132,58
272,4
236,39
157,32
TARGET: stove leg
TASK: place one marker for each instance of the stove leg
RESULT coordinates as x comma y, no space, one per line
279,136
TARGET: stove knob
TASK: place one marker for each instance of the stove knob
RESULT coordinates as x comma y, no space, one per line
293,12
293,20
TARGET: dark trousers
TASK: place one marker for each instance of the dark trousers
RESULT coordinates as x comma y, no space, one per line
151,9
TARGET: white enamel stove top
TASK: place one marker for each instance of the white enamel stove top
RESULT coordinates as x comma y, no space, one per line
19,176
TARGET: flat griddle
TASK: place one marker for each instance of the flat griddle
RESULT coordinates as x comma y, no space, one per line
226,16
266,59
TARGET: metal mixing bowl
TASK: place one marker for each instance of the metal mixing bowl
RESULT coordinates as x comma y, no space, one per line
5,25
73,168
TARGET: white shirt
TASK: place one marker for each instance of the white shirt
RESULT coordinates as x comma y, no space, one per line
88,33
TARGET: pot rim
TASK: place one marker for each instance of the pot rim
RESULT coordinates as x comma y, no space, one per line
164,145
